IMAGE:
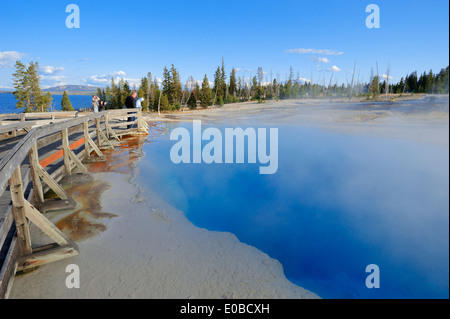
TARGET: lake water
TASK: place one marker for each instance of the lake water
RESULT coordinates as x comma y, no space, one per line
336,204
8,102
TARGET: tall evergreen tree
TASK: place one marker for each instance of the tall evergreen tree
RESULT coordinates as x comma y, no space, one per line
66,105
28,89
223,82
21,86
167,83
177,88
205,95
233,87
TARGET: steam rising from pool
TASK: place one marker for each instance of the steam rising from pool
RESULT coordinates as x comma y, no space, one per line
337,204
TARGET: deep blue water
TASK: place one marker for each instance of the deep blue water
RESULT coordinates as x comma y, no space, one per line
336,204
8,102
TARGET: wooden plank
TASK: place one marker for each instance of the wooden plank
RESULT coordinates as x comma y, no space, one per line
56,156
46,256
14,158
79,164
9,269
45,225
51,182
19,211
5,224
49,139
66,151
37,185
86,139
15,127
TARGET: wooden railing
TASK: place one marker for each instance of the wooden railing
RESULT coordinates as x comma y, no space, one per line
38,115
15,239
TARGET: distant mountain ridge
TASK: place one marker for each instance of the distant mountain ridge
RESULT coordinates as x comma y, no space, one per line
72,89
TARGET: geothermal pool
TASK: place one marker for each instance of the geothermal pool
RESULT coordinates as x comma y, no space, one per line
337,204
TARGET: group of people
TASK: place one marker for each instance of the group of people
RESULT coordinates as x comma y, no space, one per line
98,104
131,102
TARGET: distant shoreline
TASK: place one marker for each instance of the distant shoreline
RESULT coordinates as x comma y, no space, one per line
57,92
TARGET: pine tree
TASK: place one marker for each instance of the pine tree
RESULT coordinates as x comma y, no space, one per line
217,85
109,98
177,89
167,83
205,95
46,102
223,82
27,88
21,92
66,105
233,88
39,103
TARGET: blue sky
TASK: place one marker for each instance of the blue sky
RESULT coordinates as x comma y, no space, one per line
130,38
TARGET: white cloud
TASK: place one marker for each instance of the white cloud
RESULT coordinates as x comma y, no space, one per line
320,60
334,69
105,79
118,73
48,69
385,77
314,51
53,80
8,58
304,80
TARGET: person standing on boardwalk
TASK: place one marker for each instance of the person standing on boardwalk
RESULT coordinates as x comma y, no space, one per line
95,102
130,103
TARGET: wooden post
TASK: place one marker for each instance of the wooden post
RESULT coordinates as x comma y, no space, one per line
107,125
98,129
86,140
109,131
90,143
102,140
37,185
65,142
18,203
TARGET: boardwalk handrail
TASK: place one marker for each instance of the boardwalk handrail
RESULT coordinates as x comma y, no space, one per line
25,256
34,115
15,127
17,154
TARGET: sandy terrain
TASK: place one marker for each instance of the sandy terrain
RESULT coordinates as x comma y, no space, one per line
134,245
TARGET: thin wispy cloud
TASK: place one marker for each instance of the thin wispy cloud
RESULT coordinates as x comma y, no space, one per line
8,58
334,69
53,80
105,79
314,51
320,59
49,69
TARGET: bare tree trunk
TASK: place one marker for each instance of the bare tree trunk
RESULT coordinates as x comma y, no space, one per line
378,81
159,103
351,85
387,82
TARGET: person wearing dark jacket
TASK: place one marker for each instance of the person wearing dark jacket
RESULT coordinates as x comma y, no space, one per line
130,103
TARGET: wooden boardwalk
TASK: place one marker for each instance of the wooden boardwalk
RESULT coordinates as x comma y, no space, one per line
33,159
